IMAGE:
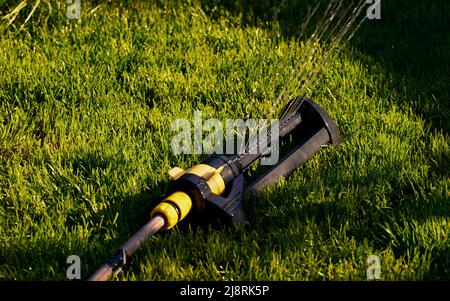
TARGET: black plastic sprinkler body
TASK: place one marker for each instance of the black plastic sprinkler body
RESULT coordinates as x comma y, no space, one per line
214,189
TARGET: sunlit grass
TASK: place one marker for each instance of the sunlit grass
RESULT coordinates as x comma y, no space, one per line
85,117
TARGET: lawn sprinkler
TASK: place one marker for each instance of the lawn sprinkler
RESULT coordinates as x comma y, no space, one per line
215,189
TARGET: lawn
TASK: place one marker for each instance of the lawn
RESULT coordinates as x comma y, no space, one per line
86,107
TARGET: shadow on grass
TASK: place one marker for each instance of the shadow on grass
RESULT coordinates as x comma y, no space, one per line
336,221
412,43
93,235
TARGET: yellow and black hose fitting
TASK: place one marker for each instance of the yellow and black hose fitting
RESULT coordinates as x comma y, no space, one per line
173,208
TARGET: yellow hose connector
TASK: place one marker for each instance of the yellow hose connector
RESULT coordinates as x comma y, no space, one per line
174,208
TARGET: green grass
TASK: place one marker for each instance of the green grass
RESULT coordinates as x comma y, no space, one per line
85,143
